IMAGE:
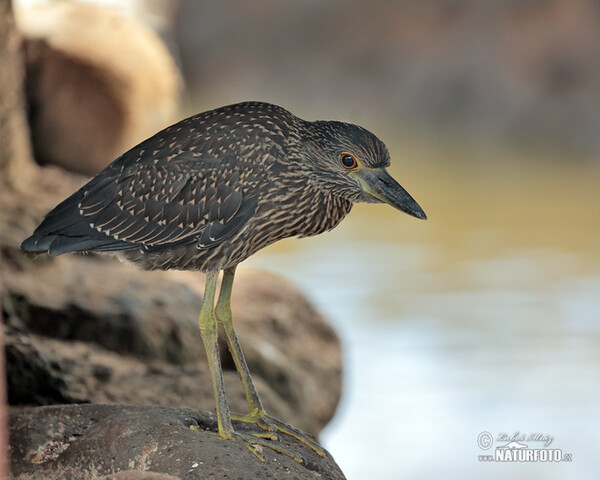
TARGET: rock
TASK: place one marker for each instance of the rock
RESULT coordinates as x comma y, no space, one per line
31,376
90,329
82,442
74,372
89,102
138,475
118,307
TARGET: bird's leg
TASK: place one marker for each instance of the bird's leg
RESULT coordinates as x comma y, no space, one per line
224,317
257,414
209,332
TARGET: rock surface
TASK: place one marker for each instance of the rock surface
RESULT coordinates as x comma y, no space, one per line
138,475
89,329
81,442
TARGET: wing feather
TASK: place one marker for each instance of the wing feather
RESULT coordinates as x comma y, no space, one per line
177,202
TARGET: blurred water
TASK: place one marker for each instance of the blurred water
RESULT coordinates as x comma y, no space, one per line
484,318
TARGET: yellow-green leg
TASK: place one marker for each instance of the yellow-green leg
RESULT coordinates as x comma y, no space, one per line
209,332
257,414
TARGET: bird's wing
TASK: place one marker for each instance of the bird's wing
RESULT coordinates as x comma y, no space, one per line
162,204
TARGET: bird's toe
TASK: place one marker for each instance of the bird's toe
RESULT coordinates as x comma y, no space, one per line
271,425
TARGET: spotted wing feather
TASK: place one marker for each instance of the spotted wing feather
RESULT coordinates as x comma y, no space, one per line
173,203
149,205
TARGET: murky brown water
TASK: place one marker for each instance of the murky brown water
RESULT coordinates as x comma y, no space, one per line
484,318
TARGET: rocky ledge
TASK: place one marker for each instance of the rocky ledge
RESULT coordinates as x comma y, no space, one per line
116,442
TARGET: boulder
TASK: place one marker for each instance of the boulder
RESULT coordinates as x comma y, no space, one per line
82,442
90,329
98,82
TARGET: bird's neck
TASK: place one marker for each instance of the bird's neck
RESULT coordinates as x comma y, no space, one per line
319,210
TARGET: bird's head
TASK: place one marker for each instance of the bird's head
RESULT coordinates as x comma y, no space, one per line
349,161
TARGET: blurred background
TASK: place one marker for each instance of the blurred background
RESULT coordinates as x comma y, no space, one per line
487,316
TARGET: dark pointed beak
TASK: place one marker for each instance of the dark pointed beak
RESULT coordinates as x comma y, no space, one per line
379,183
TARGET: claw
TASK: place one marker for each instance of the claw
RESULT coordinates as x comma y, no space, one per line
272,425
249,440
249,443
269,435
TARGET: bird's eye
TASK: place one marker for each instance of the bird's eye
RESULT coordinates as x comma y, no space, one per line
348,161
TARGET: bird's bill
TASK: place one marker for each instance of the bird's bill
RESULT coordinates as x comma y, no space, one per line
379,183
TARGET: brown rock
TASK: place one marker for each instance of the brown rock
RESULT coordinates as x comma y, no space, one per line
89,102
118,307
137,475
31,376
82,442
88,329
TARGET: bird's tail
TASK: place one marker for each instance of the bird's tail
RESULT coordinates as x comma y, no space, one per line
64,230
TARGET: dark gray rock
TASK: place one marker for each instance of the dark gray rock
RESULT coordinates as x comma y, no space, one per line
30,375
93,299
81,442
90,329
138,475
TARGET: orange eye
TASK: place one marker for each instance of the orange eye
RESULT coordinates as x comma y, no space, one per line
348,161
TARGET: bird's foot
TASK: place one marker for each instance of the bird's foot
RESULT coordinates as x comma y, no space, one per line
254,442
271,426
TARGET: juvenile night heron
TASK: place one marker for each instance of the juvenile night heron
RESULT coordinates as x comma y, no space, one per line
208,192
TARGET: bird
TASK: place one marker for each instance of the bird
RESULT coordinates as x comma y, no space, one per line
208,192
